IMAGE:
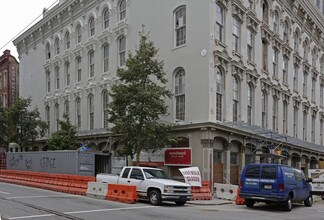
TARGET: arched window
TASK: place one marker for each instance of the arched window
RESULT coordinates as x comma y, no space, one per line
67,40
264,100
57,77
67,73
219,94
250,103
57,46
91,27
105,53
286,32
296,40
122,50
219,23
180,94
180,26
295,125
236,97
78,113
250,45
48,81
106,17
91,111
265,12
48,51
48,118
78,34
57,116
236,35
285,117
122,10
67,107
105,101
276,22
306,49
78,68
91,63
275,114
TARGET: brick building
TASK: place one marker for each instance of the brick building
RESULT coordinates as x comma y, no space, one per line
9,79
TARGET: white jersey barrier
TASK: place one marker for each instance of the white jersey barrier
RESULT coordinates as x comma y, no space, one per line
97,190
226,191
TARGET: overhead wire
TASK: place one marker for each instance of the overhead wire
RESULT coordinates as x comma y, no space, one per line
28,25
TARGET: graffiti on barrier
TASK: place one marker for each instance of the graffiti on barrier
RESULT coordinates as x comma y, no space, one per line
29,164
14,160
47,163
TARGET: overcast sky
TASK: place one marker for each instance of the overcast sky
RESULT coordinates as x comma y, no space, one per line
15,15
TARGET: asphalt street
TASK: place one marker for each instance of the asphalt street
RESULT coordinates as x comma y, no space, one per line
19,202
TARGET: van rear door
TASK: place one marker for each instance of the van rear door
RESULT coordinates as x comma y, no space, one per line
268,179
251,179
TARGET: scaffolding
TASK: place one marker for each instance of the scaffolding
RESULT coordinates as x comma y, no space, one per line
268,145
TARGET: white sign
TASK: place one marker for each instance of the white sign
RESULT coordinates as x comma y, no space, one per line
191,175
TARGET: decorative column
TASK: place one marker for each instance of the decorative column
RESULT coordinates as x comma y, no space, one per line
242,159
207,172
227,173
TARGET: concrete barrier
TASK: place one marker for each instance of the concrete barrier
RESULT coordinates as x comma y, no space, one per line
97,190
226,191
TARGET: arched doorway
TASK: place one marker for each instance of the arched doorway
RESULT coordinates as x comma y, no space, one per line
218,159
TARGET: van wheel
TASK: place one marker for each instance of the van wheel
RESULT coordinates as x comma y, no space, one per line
155,197
249,203
309,201
288,204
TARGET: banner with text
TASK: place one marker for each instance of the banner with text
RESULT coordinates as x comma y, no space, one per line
191,175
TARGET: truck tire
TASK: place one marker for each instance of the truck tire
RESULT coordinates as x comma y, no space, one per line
180,203
155,197
309,201
288,204
249,203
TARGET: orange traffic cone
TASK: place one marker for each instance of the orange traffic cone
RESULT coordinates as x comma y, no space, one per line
239,200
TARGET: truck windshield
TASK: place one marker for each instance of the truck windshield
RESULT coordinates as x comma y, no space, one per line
155,174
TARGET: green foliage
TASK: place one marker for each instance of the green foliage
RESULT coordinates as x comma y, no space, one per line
23,126
3,127
138,101
65,138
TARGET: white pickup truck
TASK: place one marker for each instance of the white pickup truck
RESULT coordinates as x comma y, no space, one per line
317,183
151,183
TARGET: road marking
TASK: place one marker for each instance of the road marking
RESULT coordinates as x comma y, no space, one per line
105,210
47,196
4,193
31,216
80,212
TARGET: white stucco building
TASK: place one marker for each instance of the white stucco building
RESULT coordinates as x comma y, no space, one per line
247,75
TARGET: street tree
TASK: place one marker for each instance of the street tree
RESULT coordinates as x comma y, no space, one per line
65,138
3,127
24,126
138,101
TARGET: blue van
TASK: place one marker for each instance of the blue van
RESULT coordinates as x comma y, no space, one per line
274,183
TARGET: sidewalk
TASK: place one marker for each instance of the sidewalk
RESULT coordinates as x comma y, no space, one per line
213,201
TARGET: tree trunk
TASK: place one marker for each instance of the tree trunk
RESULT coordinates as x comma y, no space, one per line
138,152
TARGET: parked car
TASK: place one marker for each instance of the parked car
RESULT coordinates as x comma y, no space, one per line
151,183
274,183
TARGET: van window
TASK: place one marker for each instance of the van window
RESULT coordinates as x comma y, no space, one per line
252,172
269,172
299,175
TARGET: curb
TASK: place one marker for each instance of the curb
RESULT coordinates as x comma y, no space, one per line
209,202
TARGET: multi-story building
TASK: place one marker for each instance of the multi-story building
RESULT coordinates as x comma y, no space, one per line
320,5
247,76
9,79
